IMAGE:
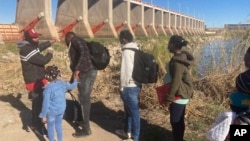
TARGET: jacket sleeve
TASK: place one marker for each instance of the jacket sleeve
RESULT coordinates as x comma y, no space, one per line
40,59
187,58
184,61
176,80
44,45
83,54
70,86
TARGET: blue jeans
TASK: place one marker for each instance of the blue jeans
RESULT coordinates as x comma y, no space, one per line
55,122
130,97
85,88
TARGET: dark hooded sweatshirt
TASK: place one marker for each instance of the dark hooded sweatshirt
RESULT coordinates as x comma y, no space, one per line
32,61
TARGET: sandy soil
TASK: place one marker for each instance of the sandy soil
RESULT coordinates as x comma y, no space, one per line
16,116
15,109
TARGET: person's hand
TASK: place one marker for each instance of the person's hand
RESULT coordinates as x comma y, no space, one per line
44,120
76,75
53,40
167,103
50,50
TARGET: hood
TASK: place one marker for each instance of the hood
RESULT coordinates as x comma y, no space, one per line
185,58
130,45
22,43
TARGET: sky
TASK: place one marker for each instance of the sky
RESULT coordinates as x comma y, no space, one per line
215,13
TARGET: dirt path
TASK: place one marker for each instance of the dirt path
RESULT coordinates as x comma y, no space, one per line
15,116
15,107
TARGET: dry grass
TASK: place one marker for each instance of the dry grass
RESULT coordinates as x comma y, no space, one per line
217,86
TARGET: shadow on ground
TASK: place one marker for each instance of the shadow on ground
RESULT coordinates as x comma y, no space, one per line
106,118
110,120
25,113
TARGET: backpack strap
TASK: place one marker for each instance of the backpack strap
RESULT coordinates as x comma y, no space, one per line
72,96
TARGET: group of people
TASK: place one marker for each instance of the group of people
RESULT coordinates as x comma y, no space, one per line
47,90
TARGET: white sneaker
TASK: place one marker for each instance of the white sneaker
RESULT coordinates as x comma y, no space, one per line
129,135
123,133
127,140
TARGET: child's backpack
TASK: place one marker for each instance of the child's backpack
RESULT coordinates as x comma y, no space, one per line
99,54
145,67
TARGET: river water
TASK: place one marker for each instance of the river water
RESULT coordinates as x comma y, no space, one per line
219,56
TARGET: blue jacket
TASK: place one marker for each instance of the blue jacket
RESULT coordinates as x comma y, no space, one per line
54,100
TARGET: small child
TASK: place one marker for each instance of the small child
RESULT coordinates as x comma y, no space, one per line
54,102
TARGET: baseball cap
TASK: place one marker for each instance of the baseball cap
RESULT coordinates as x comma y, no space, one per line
32,33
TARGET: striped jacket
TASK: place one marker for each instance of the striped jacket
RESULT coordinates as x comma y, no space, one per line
32,61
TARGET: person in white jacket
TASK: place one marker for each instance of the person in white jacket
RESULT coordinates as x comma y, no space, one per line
129,88
220,128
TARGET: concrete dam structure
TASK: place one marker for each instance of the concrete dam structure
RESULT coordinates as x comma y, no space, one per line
103,18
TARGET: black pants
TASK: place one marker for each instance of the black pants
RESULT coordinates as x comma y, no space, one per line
238,110
36,108
177,115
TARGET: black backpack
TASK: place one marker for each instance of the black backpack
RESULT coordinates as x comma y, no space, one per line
145,67
73,112
99,54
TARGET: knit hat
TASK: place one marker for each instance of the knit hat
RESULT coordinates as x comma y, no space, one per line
52,72
243,82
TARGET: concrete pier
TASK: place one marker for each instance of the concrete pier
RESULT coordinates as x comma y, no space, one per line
158,18
121,14
68,11
106,18
27,10
167,23
189,26
1,39
100,18
173,23
179,24
149,20
137,24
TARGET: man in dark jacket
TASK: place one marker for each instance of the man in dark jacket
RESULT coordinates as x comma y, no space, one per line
33,70
82,68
